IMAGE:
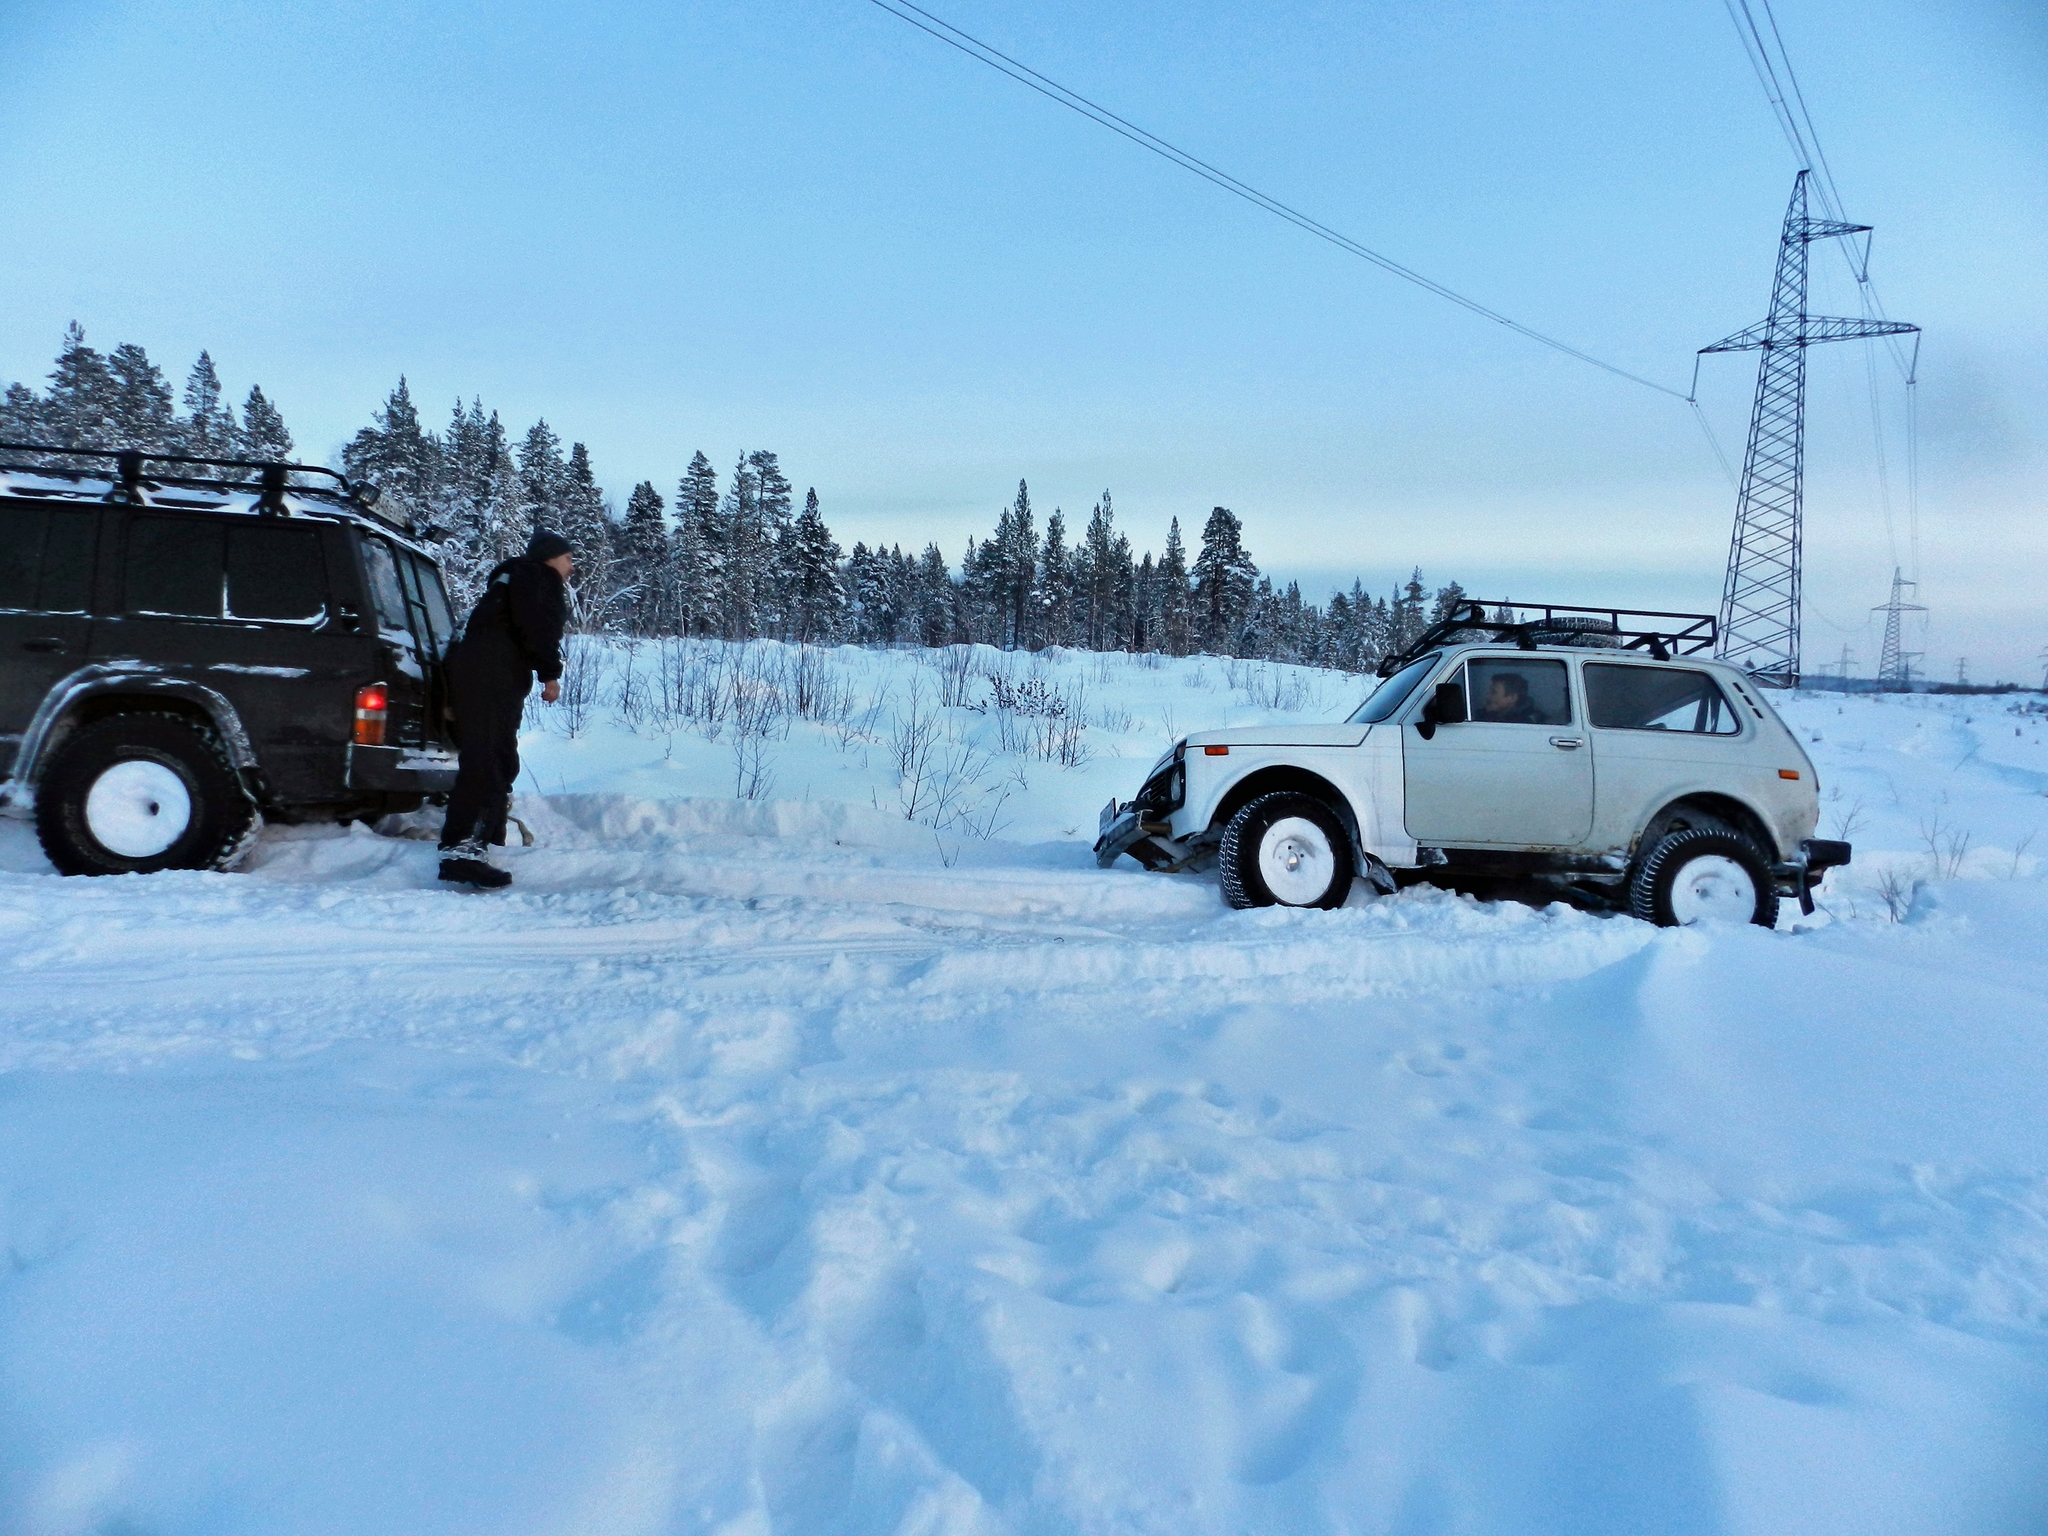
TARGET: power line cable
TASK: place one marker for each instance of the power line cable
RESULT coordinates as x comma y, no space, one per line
1024,74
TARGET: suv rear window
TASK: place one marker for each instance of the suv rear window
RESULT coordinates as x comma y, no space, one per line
188,568
46,558
1657,699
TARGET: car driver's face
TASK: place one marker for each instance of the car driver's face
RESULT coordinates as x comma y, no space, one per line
1499,700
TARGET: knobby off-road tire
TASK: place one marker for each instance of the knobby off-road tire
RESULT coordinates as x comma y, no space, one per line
1286,849
1703,875
141,792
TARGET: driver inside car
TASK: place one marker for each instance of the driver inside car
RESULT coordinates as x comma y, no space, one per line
1507,701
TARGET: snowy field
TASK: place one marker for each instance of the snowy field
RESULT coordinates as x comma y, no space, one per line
815,1141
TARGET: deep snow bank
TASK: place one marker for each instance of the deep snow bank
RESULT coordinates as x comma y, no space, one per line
793,1164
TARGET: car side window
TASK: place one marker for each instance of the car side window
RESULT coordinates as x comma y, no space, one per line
385,589
1503,690
46,564
275,573
1658,699
176,567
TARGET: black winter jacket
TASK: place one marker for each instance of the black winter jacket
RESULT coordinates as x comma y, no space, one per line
515,633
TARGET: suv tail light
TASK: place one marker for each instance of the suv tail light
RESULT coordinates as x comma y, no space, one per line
371,705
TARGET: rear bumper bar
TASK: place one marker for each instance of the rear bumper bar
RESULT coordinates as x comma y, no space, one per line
1798,877
401,770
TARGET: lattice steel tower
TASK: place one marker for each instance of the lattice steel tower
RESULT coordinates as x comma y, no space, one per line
1894,663
1760,600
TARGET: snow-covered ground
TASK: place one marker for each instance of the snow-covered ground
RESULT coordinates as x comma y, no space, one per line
795,1164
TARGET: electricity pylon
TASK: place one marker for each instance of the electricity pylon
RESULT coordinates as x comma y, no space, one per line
1760,601
1894,664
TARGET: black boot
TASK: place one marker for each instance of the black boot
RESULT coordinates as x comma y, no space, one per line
476,872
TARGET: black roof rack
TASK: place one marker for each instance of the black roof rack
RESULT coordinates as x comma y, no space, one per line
270,479
1529,625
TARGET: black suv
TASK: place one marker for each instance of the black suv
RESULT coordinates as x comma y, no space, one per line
187,647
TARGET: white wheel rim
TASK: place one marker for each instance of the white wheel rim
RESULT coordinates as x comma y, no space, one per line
1713,889
137,809
1295,861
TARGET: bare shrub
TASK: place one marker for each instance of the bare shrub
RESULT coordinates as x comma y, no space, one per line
1897,893
1947,847
956,675
582,671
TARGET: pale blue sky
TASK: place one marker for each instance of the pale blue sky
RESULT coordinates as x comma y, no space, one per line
808,227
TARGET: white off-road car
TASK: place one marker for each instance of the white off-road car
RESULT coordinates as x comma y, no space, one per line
1599,752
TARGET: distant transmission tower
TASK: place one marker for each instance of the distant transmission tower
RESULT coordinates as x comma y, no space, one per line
1760,600
1894,664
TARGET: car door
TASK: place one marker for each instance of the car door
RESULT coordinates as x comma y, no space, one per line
1658,731
46,569
1515,774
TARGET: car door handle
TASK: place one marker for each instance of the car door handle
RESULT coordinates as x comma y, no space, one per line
49,644
1568,743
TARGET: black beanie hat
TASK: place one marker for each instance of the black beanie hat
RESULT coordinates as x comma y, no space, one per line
545,546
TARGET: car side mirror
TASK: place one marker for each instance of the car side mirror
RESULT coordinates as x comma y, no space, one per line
1445,707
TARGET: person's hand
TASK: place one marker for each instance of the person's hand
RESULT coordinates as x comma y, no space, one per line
550,690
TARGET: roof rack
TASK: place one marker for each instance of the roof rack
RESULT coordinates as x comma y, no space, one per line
130,483
1529,625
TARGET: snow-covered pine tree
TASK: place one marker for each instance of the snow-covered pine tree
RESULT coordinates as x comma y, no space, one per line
773,506
586,524
1225,579
933,616
811,573
743,555
20,415
644,580
1408,612
1055,583
395,455
1098,573
1172,581
693,560
144,416
263,434
209,427
1017,574
476,500
1447,600
1145,606
78,409
543,479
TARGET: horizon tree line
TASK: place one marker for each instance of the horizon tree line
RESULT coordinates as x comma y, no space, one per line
741,562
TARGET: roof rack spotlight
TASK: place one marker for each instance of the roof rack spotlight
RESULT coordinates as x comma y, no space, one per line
1529,625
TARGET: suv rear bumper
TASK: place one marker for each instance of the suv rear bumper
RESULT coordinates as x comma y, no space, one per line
401,770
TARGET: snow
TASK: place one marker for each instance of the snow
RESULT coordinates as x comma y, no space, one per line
787,1164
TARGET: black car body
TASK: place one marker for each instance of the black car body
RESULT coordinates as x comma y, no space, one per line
264,612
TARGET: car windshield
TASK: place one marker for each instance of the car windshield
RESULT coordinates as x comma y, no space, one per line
1393,693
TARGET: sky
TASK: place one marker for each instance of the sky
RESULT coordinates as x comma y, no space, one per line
811,228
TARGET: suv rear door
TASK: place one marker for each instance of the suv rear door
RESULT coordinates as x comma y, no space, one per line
46,580
1512,775
413,623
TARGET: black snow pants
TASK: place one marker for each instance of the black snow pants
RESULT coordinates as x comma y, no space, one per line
487,715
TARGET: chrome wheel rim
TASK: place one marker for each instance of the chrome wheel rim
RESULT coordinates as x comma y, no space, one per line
1296,861
137,809
1713,889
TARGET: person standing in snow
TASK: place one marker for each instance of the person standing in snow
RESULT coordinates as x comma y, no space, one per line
513,636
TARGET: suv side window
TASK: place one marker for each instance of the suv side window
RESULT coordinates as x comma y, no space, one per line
276,573
176,567
1658,699
187,568
46,564
1505,690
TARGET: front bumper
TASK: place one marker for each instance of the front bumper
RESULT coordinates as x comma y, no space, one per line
1126,829
401,770
1798,877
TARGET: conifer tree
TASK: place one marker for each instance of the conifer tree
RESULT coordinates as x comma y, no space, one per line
1225,578
742,554
1055,583
395,455
587,525
543,479
210,430
262,434
934,605
78,410
693,604
143,414
1016,573
811,574
20,415
1099,574
1172,580
645,580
